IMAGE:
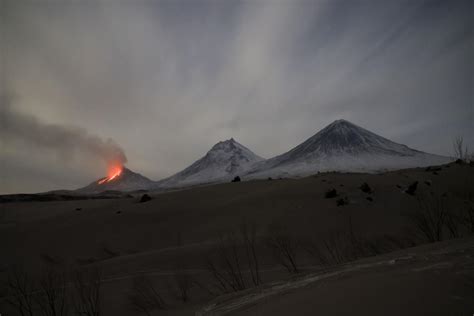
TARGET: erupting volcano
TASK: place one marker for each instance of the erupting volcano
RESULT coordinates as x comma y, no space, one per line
118,178
113,172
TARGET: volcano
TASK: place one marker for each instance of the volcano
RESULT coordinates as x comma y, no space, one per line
344,146
122,179
221,163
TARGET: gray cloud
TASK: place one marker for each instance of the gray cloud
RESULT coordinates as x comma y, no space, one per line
168,79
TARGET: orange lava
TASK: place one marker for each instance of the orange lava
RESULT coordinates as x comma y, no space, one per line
113,172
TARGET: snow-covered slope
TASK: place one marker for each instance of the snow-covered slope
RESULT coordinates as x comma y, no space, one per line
344,146
127,180
224,161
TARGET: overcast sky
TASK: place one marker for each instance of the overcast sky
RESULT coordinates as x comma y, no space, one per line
165,80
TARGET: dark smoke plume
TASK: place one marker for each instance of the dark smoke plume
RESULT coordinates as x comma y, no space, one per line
66,141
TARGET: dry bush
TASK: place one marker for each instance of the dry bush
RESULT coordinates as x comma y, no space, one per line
226,264
437,219
87,286
284,247
461,151
183,283
467,218
20,292
145,296
429,217
235,254
345,245
248,234
53,293
182,280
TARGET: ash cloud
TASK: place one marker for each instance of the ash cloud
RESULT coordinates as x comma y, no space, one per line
67,142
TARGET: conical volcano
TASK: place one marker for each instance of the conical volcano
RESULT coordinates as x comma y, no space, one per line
125,180
344,146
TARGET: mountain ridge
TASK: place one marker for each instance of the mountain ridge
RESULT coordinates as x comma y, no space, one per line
340,146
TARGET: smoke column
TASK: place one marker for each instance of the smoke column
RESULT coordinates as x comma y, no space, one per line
66,141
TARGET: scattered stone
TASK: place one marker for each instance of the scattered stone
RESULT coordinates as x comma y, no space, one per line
412,188
145,198
435,173
366,188
236,179
79,209
399,186
431,168
118,212
270,179
428,182
342,201
331,194
369,198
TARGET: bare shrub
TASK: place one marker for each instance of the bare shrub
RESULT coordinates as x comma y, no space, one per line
145,296
467,217
20,295
52,298
87,286
226,267
337,247
316,251
183,282
236,253
284,247
430,216
461,151
248,234
344,244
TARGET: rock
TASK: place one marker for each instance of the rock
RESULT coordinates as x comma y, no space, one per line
331,194
342,201
145,198
412,188
366,188
236,179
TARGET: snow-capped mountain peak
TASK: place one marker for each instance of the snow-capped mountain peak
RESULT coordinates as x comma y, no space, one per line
344,146
222,162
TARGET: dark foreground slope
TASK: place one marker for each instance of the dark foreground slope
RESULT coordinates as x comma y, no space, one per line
177,232
429,280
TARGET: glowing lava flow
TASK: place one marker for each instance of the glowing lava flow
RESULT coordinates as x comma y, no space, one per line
113,173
